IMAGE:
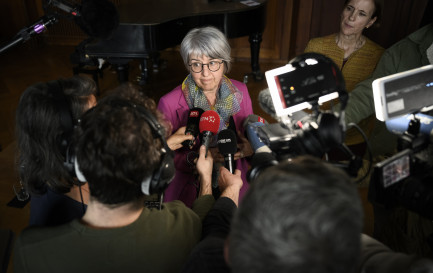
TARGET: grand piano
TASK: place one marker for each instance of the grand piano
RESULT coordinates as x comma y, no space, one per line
149,26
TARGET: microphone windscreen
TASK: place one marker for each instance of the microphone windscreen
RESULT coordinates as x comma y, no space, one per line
251,134
99,18
227,142
209,121
266,103
253,119
193,121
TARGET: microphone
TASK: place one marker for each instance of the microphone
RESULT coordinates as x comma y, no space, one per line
24,34
266,103
252,119
251,123
66,7
209,125
400,125
254,140
99,18
192,126
227,146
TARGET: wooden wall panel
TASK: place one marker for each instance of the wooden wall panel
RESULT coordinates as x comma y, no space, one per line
315,18
276,34
290,25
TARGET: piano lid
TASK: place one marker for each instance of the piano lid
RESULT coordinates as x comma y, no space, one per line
154,12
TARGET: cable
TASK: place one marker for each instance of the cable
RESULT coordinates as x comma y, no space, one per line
370,154
82,199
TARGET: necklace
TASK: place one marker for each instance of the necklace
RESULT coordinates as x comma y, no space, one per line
349,48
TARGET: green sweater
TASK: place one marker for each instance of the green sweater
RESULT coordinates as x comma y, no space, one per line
406,54
158,241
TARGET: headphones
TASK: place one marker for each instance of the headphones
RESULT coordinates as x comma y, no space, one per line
164,174
66,123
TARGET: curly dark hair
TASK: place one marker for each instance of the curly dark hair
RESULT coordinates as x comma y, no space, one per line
39,131
115,147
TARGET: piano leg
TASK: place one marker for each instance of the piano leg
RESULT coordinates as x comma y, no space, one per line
255,40
142,79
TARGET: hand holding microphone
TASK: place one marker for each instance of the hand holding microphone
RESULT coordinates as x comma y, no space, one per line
227,146
192,126
209,125
251,123
176,140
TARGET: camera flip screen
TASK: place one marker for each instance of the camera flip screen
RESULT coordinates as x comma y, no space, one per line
295,88
403,93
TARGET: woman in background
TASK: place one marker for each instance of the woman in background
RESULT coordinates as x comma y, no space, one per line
354,54
206,55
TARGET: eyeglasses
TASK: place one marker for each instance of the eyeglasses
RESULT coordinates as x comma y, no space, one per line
213,66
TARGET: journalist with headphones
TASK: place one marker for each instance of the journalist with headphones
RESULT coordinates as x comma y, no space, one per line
122,153
45,119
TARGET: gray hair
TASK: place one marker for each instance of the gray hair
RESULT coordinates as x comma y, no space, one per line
206,41
301,216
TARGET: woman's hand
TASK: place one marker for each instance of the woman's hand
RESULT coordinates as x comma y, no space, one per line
174,141
244,147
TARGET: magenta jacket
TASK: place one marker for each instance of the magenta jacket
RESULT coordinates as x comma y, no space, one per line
175,109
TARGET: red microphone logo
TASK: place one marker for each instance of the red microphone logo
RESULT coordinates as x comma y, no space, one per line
208,119
194,114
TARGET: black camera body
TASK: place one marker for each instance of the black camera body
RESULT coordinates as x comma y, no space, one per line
307,81
313,135
405,179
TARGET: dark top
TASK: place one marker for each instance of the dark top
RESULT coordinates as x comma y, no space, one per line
52,209
208,255
158,241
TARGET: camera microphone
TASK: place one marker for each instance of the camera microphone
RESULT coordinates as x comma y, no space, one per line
251,123
266,103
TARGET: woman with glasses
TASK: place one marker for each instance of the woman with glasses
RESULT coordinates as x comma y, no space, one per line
206,55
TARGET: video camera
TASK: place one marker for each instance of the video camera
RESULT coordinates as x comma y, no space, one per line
403,102
306,82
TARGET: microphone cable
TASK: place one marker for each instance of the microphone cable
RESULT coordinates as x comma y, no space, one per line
82,199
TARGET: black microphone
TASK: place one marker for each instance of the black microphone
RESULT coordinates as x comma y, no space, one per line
66,7
99,18
227,146
24,34
192,125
